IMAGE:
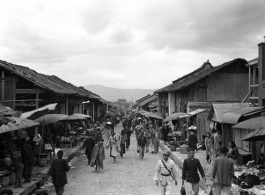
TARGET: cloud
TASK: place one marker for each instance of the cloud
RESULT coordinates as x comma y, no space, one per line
204,25
121,35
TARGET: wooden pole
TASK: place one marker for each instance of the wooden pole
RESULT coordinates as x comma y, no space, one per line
3,85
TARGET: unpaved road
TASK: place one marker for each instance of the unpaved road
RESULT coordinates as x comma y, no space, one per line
129,176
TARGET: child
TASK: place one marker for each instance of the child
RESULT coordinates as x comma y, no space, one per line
98,155
123,138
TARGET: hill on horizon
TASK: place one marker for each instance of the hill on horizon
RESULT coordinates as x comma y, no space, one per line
113,94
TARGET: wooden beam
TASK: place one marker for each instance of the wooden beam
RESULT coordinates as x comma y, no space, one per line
27,100
29,91
37,98
25,104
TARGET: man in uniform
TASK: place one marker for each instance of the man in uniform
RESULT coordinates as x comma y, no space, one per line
165,174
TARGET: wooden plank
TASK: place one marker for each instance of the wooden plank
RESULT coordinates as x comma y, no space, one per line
257,85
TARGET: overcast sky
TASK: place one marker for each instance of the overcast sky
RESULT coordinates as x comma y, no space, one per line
128,44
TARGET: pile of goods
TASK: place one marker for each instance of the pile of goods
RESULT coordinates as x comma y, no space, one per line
246,181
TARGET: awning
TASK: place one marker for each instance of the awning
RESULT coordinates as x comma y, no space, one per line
233,116
254,123
218,110
257,135
198,111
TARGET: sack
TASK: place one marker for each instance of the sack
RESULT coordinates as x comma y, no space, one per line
182,191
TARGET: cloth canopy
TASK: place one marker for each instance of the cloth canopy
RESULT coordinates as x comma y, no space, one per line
175,116
50,118
37,113
82,115
156,116
73,118
17,124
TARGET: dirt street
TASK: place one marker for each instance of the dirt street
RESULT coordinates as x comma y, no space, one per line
129,176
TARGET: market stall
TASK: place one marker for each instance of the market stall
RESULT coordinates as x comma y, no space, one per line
73,130
9,173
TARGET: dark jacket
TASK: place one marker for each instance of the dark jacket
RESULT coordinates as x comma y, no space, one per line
190,170
27,154
99,151
192,141
142,141
58,170
89,145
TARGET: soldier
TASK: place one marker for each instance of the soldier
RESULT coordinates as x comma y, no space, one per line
165,174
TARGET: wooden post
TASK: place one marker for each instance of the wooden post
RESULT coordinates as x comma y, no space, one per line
66,105
37,106
14,91
3,85
93,111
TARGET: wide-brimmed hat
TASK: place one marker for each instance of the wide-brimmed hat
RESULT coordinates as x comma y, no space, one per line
166,153
192,128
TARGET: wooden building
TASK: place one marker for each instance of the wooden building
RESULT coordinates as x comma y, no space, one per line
24,89
204,86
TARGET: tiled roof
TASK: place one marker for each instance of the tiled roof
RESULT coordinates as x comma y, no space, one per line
49,82
39,79
143,98
164,89
193,78
150,99
196,75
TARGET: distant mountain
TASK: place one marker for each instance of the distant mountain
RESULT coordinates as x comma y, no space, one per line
113,94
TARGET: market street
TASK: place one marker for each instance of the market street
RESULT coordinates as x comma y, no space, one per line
129,176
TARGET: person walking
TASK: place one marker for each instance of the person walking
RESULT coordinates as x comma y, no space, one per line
113,147
27,159
191,166
89,145
217,142
123,138
128,140
208,145
57,171
165,131
192,140
98,155
222,173
142,142
165,174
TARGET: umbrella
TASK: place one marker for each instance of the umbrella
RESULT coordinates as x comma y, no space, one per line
17,124
37,113
156,116
72,118
141,111
82,115
50,118
175,116
146,114
257,135
254,123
